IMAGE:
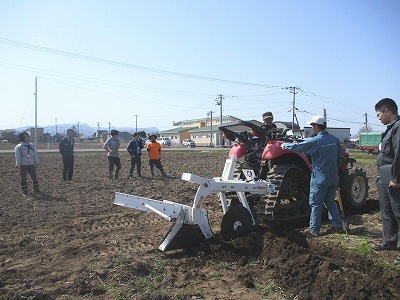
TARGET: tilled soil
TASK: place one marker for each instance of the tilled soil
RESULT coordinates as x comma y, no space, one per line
71,242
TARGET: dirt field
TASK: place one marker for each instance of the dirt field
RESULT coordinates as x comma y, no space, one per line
71,242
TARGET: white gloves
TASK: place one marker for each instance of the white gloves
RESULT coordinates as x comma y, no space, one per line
283,146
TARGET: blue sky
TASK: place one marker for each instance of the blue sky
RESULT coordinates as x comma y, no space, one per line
108,61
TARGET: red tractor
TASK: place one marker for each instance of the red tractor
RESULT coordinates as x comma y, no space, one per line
290,171
260,182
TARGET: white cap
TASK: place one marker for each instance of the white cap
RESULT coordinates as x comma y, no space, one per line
317,120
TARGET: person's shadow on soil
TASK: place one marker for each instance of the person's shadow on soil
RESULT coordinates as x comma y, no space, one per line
47,197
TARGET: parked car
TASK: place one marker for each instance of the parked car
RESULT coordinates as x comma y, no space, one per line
189,143
164,141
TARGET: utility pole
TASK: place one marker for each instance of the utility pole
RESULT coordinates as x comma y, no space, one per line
325,117
77,125
56,131
135,123
293,91
366,122
218,100
98,131
210,113
36,112
109,128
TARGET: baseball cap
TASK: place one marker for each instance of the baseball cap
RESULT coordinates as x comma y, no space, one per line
267,115
320,120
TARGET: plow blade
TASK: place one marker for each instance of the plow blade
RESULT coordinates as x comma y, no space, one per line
190,226
182,235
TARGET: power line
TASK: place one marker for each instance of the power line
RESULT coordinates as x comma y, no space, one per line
118,96
106,82
161,71
126,65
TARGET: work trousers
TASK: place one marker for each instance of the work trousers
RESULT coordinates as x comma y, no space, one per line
136,160
320,196
31,169
112,160
389,205
157,163
68,170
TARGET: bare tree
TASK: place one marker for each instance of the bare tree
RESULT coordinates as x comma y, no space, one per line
365,129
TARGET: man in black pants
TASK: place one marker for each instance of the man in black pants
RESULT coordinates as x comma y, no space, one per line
134,148
388,182
66,148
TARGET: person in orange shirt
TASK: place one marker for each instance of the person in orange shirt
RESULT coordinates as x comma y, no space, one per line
154,155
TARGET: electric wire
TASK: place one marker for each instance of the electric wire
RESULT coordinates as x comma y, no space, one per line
106,82
119,96
127,65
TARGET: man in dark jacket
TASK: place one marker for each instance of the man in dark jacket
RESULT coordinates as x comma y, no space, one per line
66,148
134,148
388,182
268,118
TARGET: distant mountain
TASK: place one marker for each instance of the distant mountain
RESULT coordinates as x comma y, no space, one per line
86,129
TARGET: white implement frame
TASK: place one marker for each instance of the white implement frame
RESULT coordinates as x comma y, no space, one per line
183,214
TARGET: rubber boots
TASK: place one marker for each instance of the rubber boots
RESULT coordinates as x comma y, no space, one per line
111,174
36,188
117,174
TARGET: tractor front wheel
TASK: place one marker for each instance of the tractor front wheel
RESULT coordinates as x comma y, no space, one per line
354,188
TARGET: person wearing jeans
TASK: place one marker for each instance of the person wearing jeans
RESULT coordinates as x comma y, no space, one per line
134,148
325,151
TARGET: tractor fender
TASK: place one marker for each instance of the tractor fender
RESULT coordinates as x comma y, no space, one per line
273,150
238,149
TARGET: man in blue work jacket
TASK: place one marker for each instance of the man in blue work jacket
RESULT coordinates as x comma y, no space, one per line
325,151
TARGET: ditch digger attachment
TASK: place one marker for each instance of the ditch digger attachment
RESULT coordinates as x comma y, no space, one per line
191,225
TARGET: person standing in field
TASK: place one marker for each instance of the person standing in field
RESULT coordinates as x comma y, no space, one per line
111,146
26,160
325,151
66,148
134,148
388,181
154,155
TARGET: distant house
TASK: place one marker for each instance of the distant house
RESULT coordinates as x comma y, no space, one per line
206,136
125,136
203,131
177,134
9,135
